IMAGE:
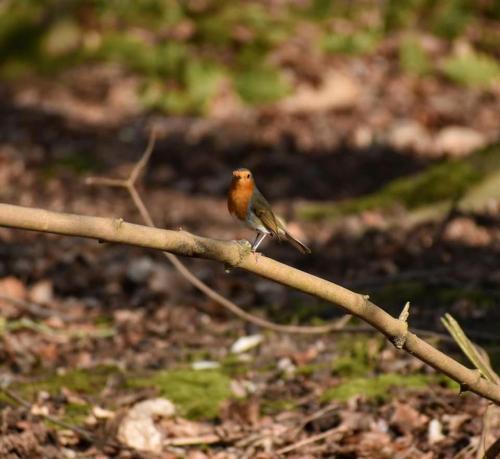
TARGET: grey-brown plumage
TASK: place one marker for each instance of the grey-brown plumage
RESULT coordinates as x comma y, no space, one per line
247,203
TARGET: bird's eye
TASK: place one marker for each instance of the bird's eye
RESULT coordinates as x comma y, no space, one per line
248,175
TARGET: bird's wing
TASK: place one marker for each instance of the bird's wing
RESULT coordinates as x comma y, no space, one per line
262,209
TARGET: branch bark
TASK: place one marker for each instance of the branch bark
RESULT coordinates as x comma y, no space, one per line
237,255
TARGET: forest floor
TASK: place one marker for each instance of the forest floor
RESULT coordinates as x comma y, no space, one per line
89,330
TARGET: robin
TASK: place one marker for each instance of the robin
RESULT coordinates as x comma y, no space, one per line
246,203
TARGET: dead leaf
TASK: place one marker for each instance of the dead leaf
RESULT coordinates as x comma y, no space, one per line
407,419
138,429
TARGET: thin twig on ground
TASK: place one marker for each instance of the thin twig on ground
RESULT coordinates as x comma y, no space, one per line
25,404
33,308
312,439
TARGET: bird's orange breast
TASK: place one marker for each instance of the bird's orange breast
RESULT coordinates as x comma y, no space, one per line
239,196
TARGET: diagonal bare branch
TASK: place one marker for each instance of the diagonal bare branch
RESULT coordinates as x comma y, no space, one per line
233,254
130,184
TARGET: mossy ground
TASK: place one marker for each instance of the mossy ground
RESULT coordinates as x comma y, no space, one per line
439,183
196,394
378,387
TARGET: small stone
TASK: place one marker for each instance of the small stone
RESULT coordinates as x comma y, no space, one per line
245,343
140,270
42,292
458,141
435,432
205,365
409,135
466,231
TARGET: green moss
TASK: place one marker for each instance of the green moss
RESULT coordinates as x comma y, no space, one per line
473,69
271,407
75,413
196,394
309,369
413,58
263,84
446,18
233,366
441,182
83,381
361,42
356,356
164,59
402,13
450,17
376,388
79,163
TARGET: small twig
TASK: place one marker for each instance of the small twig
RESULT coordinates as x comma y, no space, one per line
470,349
33,308
25,404
312,417
488,419
400,340
208,439
480,359
130,184
311,439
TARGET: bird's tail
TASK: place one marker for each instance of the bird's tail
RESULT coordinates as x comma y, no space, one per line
297,244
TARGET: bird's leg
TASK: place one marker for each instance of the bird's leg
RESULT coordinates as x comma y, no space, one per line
255,241
260,237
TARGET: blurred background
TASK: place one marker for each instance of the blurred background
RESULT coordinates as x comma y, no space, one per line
373,127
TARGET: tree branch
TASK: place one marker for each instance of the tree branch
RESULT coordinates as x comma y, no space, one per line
236,254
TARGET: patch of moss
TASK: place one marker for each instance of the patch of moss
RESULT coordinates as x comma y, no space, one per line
83,381
308,369
472,69
260,84
75,413
356,355
361,42
79,163
441,182
413,58
196,394
233,366
450,17
271,407
446,18
376,388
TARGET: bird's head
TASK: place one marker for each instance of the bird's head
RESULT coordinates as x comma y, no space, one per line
242,176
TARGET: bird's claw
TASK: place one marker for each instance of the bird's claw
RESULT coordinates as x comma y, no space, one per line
256,255
246,249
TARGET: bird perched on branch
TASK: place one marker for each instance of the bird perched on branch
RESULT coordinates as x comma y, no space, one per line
246,203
